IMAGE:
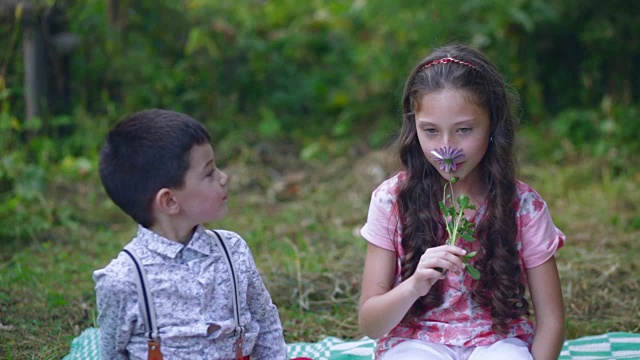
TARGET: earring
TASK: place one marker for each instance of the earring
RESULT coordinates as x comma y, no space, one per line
491,138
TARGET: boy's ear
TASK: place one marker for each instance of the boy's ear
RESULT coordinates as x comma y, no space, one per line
165,202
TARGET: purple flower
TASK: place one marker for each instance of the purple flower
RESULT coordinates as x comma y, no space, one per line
447,157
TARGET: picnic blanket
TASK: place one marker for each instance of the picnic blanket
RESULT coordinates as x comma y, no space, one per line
615,345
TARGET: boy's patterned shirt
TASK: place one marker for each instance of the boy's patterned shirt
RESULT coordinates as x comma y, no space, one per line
191,290
459,320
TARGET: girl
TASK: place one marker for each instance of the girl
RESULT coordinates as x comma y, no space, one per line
417,299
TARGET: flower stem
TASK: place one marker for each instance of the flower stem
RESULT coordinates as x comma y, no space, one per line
456,225
444,202
453,234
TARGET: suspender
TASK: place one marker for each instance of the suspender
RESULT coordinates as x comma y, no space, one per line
146,307
148,310
234,285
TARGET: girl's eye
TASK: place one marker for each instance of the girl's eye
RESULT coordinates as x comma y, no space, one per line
210,173
464,130
429,130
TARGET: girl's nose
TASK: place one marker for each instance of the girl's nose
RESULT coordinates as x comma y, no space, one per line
446,140
224,178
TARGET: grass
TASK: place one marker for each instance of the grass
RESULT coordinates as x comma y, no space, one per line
300,220
599,270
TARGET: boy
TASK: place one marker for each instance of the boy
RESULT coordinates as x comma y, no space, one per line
158,166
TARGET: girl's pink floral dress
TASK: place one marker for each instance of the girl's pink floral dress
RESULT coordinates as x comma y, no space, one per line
459,320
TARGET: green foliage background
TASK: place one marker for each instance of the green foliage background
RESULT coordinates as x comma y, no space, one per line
318,74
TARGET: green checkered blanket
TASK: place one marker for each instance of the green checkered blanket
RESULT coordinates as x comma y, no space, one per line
616,345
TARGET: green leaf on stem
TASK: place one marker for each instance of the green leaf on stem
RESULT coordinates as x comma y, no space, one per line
469,256
468,237
475,274
463,201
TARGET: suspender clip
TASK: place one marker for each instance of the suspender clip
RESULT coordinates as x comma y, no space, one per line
154,350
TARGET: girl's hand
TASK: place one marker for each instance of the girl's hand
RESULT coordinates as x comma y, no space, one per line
433,265
383,305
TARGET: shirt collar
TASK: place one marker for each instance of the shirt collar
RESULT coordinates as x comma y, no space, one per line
200,242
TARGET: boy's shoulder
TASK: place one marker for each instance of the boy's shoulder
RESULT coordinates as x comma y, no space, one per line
228,234
117,275
238,247
230,237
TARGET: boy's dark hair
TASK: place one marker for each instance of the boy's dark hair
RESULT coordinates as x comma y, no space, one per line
500,286
145,152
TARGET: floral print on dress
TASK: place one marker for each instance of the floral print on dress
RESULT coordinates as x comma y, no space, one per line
459,321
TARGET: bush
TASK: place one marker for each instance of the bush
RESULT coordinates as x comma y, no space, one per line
320,73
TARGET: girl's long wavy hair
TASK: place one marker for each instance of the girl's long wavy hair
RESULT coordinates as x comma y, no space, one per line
500,287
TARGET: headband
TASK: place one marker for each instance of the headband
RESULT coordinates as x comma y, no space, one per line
446,61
